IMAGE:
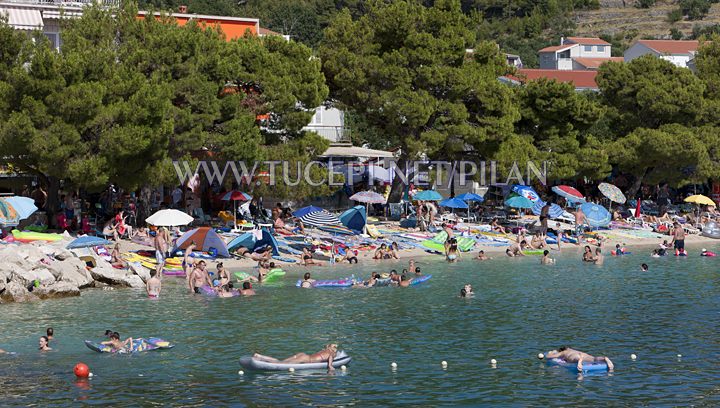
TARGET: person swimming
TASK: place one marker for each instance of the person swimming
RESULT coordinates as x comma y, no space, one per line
467,291
44,344
481,256
575,356
644,267
587,254
404,282
598,258
116,344
307,282
546,260
247,289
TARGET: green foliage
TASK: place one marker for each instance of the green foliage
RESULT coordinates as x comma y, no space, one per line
674,16
649,92
700,31
676,34
695,9
645,3
126,95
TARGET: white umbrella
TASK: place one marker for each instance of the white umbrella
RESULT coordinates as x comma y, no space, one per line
169,218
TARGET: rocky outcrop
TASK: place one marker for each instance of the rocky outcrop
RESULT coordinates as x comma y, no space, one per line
15,292
57,290
112,276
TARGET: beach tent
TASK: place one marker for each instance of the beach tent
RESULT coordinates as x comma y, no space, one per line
204,238
250,241
354,218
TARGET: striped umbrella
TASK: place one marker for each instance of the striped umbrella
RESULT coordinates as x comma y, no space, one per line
336,229
368,197
320,218
306,210
569,193
612,192
555,210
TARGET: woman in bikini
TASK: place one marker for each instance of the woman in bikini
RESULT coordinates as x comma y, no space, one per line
327,354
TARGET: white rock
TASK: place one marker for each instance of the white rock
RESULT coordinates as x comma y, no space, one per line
28,277
15,292
57,290
139,270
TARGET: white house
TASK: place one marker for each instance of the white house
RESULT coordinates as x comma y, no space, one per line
592,51
330,124
678,52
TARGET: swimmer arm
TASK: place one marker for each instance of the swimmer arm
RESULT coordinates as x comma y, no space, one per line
330,361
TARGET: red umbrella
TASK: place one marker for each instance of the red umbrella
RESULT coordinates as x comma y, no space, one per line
236,196
637,209
568,192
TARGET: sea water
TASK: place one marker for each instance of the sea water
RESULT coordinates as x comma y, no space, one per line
520,309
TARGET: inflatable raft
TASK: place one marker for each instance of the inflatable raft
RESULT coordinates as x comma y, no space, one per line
28,236
208,291
334,283
587,367
250,363
272,275
138,345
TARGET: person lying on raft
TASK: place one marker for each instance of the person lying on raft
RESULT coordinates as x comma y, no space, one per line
307,282
247,289
575,356
516,249
325,355
546,260
116,344
307,258
368,283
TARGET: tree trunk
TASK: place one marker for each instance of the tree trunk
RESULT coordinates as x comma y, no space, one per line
52,205
396,192
632,192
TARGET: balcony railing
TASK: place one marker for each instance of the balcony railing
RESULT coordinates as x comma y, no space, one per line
67,3
331,133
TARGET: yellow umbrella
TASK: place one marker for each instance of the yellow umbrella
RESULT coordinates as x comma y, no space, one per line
700,199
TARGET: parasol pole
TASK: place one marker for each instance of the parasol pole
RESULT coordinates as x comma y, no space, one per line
234,213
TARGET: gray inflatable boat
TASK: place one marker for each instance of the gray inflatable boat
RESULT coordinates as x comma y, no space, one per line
250,363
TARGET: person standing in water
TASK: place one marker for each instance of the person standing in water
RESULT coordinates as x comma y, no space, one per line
43,344
678,240
160,245
575,356
599,258
546,260
153,285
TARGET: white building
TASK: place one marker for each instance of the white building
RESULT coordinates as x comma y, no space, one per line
677,52
330,124
575,53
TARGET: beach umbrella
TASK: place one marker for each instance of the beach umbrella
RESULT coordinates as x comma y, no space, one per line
320,218
471,197
596,215
236,196
336,229
428,195
555,210
169,218
638,209
15,209
306,210
88,241
453,203
527,192
518,201
368,197
612,192
700,200
569,193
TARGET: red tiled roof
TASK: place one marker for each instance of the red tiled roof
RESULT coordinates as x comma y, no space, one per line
587,41
581,79
555,48
671,46
594,63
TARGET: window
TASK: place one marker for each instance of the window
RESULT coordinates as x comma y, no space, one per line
600,48
588,48
54,40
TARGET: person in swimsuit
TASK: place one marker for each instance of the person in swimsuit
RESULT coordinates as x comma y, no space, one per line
481,256
307,258
225,290
678,239
247,289
587,255
153,285
599,258
546,260
453,254
116,344
50,333
325,355
307,282
467,291
222,274
575,356
380,252
392,251
115,258
199,277
404,282
417,271
411,266
160,245
350,256
516,249
394,277
43,344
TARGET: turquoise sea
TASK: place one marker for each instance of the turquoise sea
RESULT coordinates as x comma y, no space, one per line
520,309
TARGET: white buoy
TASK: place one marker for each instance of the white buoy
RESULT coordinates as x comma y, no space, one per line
291,369
493,361
393,364
679,355
241,372
91,374
342,367
633,356
140,375
443,363
541,356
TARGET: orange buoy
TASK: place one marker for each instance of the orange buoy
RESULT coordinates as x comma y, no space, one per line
81,370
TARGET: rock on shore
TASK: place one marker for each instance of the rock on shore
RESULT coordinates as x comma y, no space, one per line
36,271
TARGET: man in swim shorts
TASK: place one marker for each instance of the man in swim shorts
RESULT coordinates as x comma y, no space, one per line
327,354
199,277
516,249
575,356
153,285
160,245
678,238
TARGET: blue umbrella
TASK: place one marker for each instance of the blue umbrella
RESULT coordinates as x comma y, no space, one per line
88,241
596,215
555,210
517,201
470,197
453,203
428,195
320,218
527,192
307,210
